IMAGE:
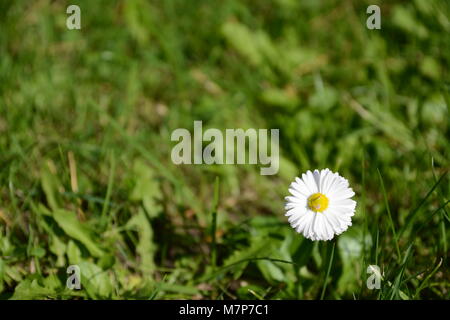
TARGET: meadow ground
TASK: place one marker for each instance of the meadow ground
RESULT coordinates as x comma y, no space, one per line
86,176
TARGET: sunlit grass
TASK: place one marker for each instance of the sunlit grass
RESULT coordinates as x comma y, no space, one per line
85,170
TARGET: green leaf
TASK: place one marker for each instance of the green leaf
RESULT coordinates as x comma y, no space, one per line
49,183
146,189
244,41
324,98
95,281
145,248
38,252
58,248
240,258
2,274
52,282
270,270
350,250
303,252
403,295
404,18
180,289
73,253
30,289
287,99
68,221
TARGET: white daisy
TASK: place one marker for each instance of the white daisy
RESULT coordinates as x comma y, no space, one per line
320,206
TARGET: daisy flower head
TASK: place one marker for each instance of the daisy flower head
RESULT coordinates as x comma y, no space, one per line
320,205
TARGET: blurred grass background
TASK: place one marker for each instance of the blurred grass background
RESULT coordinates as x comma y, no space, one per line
85,171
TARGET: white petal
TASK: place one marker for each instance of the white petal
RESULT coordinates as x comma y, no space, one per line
295,211
332,183
308,179
333,222
299,219
294,200
316,176
337,183
290,205
330,229
320,227
293,219
341,212
341,193
297,194
304,222
324,180
342,221
311,230
300,186
347,204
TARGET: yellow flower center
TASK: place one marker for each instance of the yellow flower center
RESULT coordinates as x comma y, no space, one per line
318,202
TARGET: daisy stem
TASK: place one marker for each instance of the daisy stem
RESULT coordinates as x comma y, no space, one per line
214,224
330,262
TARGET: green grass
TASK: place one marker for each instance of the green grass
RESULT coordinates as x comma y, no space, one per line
85,170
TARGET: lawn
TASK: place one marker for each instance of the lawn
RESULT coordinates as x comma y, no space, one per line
86,176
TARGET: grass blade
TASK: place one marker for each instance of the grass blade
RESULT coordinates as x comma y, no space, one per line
214,223
389,214
413,214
